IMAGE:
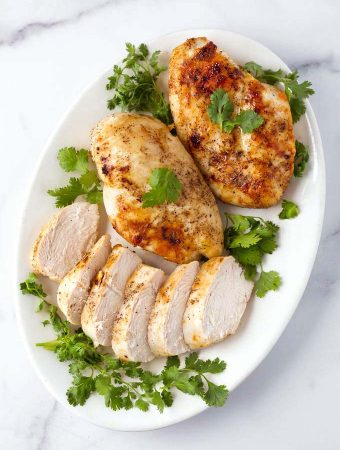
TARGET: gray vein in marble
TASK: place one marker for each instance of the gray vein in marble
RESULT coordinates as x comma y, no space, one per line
33,28
329,62
42,442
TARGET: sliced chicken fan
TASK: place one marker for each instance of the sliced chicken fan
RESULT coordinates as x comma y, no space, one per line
130,329
65,239
107,293
165,330
74,288
217,302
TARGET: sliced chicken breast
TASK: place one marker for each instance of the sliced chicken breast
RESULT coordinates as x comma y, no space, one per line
130,329
107,293
244,169
126,149
65,239
217,302
74,288
165,332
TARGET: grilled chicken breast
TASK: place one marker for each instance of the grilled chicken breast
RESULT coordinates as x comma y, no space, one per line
250,170
74,288
130,328
126,148
165,331
217,302
106,296
65,240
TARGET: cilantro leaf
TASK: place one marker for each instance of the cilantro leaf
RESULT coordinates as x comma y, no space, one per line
268,281
31,287
134,84
301,158
289,210
165,188
71,160
220,108
296,92
220,111
248,239
80,391
248,120
215,395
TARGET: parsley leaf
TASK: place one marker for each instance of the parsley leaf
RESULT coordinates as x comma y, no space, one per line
248,239
135,84
31,287
268,281
88,184
221,108
296,92
289,210
301,158
165,187
71,160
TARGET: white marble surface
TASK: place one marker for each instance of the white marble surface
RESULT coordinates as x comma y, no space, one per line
49,51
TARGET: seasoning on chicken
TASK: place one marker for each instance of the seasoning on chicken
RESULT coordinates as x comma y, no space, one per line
130,329
74,288
127,148
217,302
106,296
65,239
244,169
165,331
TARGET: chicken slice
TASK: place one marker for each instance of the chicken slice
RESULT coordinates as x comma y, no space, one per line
244,169
126,148
106,296
65,239
217,302
165,332
130,329
74,288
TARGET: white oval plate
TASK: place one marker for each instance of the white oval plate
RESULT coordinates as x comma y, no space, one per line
265,319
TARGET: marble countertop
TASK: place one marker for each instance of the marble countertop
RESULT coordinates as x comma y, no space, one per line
49,51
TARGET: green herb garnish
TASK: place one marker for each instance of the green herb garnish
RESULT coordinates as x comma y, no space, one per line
301,158
88,184
248,239
165,187
134,84
221,108
296,92
289,210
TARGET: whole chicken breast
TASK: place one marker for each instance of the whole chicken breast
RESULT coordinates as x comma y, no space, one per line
165,332
107,293
250,170
130,328
217,302
65,239
74,288
126,148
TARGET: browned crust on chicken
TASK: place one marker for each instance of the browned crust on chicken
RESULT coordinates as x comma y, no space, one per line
250,170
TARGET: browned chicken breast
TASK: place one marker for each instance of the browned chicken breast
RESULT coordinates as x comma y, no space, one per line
244,169
126,148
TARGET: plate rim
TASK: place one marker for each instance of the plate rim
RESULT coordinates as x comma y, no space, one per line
317,141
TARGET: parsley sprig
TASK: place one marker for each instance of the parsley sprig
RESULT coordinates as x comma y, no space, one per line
296,92
289,210
135,84
31,287
248,239
301,158
88,184
124,385
220,111
165,187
